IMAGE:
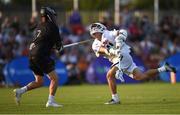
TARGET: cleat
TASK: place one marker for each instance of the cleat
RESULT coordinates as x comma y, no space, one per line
53,104
17,94
111,102
169,68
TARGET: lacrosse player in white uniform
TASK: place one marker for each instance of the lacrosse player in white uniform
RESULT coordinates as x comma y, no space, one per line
111,44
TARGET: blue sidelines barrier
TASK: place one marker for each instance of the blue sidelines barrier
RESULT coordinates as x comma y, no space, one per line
175,61
17,72
98,68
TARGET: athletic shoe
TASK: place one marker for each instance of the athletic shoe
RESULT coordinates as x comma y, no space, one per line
169,68
17,94
111,102
53,104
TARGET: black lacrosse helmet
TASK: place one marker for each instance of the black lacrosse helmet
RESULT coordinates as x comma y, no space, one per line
49,13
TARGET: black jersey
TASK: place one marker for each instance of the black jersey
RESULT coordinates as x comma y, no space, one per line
46,37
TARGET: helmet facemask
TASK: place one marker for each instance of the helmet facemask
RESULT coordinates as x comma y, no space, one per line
97,27
49,13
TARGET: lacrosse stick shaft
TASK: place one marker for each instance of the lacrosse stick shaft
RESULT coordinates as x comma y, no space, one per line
77,43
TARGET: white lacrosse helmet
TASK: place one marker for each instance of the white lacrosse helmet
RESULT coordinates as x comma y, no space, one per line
123,33
97,27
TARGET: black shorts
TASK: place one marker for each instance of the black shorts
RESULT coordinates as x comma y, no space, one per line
41,65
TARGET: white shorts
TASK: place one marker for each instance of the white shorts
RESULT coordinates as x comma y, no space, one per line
126,64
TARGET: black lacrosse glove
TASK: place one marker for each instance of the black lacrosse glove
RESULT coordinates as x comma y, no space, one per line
59,47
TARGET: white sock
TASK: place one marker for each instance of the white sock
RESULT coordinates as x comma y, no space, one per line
51,98
162,69
23,89
115,97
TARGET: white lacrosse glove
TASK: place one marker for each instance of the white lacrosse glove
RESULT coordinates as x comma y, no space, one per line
123,34
113,51
119,75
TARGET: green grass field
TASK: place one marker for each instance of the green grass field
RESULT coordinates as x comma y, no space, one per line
88,99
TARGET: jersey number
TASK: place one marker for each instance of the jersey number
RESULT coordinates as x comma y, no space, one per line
37,34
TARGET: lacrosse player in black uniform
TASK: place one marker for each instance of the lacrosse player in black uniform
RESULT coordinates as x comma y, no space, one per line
47,38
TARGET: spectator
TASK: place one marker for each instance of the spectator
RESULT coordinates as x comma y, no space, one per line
15,24
75,22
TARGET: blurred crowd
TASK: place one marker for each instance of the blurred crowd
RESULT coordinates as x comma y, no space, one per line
152,43
14,39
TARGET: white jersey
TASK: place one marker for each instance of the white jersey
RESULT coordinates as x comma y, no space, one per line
124,62
108,40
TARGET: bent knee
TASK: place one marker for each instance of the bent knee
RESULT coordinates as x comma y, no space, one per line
53,78
40,82
109,75
139,77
